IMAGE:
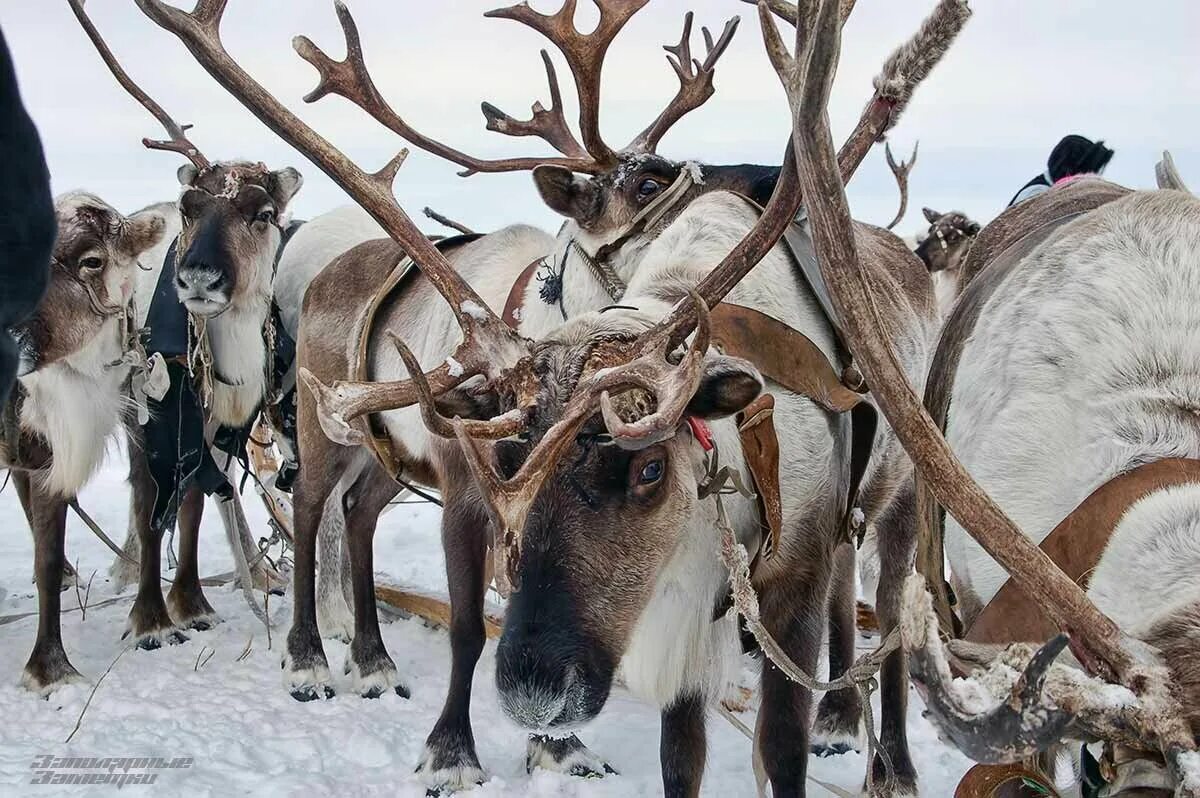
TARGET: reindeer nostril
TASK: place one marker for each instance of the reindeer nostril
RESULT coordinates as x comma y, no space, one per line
179,283
213,285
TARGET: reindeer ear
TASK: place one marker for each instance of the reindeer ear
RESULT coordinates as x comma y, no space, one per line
142,231
565,192
931,215
187,174
284,185
728,385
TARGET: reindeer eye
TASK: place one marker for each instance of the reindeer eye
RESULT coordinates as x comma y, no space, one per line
648,188
651,472
266,216
91,264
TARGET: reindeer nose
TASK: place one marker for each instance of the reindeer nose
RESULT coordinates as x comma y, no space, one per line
200,282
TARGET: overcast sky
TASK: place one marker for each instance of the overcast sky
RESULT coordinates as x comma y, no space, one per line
1024,73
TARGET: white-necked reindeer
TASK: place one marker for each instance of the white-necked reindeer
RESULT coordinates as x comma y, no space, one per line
73,392
213,273
613,218
582,605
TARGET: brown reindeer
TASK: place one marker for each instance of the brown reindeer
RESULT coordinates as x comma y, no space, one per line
943,248
72,396
204,294
580,597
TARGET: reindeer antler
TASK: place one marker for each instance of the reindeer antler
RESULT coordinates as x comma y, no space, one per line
351,79
584,54
488,347
178,141
1167,174
900,171
807,78
549,125
695,80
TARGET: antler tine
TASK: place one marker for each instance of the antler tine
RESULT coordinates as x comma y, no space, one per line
790,12
549,125
1167,174
493,429
900,171
673,386
350,78
584,54
695,81
489,347
178,141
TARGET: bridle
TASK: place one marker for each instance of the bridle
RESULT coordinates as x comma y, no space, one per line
599,263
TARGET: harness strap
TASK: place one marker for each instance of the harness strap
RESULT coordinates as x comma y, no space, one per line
1075,546
760,447
378,441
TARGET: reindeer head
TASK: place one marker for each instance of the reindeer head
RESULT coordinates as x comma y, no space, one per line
947,241
91,279
231,211
231,232
607,514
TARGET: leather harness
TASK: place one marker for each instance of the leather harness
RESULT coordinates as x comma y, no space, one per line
781,353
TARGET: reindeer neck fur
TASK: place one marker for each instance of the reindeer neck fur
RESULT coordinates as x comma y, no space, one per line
240,352
75,405
676,647
1081,367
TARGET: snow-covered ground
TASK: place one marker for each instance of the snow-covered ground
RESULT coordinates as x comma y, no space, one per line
246,735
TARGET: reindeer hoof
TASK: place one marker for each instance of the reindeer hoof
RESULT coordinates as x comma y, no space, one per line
564,755
444,772
45,676
203,623
835,742
152,641
311,692
375,678
307,678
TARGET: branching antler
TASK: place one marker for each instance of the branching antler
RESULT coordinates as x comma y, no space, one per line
695,80
807,79
900,171
349,78
584,54
549,125
488,347
614,368
1022,701
446,221
178,141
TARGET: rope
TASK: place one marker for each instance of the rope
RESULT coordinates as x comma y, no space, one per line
860,675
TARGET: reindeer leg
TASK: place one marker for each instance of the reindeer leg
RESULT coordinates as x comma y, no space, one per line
24,490
371,670
334,617
794,614
149,622
449,761
897,542
48,667
185,601
305,666
683,747
838,727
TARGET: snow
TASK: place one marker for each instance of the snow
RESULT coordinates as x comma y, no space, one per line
246,735
474,310
455,368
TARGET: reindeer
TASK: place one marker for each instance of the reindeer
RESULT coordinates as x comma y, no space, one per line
631,198
26,218
585,602
943,248
1092,288
72,395
222,240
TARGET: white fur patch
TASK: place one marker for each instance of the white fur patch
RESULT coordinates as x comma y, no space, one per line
1082,365
76,405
